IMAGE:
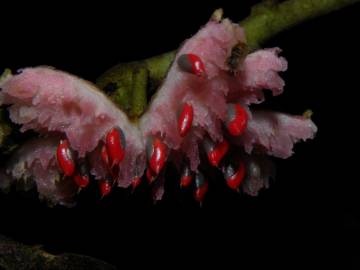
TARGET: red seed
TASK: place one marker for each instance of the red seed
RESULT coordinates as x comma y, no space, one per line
185,119
237,119
186,177
81,181
191,63
201,187
217,152
115,146
185,181
156,154
114,171
65,158
105,187
235,176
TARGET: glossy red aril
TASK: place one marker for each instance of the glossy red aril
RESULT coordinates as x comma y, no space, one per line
191,63
105,187
65,158
237,119
215,151
201,187
81,181
185,119
81,177
115,146
234,175
186,177
156,154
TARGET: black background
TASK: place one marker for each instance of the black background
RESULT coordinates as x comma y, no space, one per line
314,201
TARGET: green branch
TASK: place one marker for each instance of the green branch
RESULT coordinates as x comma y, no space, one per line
268,18
265,21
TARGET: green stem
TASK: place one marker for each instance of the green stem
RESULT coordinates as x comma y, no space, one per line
268,18
265,21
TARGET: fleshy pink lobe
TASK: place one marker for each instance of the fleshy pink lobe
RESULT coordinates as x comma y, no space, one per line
35,162
276,133
55,103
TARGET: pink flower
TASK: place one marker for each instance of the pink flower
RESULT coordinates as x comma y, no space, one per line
61,105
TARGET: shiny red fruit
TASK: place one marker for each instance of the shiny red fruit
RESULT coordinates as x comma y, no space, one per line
65,158
115,146
234,176
81,181
156,154
191,63
237,119
81,176
201,186
186,177
215,152
185,119
105,187
185,181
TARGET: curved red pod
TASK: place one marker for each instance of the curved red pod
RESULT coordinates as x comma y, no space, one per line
186,177
201,187
105,187
65,158
81,181
115,145
191,63
215,151
234,176
156,154
237,119
185,119
81,176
